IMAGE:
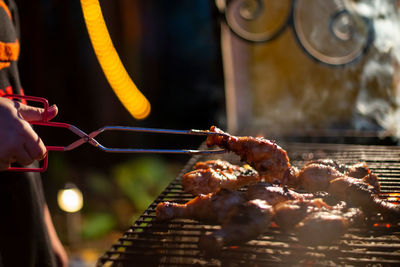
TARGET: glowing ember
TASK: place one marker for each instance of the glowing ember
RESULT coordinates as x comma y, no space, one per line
384,225
393,197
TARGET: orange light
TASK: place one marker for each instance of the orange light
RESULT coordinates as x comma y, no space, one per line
386,225
393,197
274,225
123,86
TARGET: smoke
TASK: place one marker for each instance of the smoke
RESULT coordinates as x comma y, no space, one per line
379,93
289,88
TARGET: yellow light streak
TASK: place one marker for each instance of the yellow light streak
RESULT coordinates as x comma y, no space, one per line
123,86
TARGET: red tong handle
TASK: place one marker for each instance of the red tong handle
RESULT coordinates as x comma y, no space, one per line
43,122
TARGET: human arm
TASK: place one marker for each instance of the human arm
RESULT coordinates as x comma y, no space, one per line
19,142
59,251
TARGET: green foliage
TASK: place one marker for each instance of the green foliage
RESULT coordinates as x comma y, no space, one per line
97,225
142,180
99,184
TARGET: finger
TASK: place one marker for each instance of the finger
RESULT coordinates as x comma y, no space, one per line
23,158
52,111
32,143
30,113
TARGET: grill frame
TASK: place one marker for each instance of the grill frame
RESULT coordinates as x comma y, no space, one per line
151,243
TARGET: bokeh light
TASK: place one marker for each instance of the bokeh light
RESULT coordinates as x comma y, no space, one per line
70,199
125,89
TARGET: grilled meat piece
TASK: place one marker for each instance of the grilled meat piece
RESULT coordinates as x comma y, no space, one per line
265,156
316,175
321,228
314,221
212,207
291,212
215,164
209,180
244,222
324,227
359,193
357,170
274,194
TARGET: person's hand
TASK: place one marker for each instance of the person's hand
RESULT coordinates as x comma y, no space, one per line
18,141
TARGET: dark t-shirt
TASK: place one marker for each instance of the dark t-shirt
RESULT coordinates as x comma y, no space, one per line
24,240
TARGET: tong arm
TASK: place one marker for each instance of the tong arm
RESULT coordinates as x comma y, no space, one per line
95,143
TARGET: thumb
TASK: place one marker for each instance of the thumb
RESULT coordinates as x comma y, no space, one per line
30,113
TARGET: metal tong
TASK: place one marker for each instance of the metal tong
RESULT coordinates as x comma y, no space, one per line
89,137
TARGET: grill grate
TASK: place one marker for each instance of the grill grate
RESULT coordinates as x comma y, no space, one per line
174,243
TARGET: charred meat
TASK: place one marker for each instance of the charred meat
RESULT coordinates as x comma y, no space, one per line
274,194
205,179
244,222
316,175
289,213
359,193
212,207
265,156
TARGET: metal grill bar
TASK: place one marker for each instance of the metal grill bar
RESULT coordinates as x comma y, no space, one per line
175,243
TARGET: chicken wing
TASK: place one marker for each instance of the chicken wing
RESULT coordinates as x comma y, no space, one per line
316,175
212,207
314,221
321,228
265,156
357,170
244,222
224,175
274,194
217,164
291,212
359,193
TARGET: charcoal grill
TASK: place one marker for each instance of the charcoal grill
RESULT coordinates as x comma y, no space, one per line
175,243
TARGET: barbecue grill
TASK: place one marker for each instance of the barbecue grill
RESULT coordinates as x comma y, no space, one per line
257,99
175,243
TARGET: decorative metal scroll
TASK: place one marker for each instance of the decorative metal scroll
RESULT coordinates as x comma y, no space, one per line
330,32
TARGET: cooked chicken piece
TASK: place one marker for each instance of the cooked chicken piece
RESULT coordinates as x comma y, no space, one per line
244,222
321,228
216,165
316,176
291,212
318,172
324,227
265,156
212,207
274,194
357,170
314,221
361,194
373,180
210,180
352,190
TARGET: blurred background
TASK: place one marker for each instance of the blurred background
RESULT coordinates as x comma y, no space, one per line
171,51
275,68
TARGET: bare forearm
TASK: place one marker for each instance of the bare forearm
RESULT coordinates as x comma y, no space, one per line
61,255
